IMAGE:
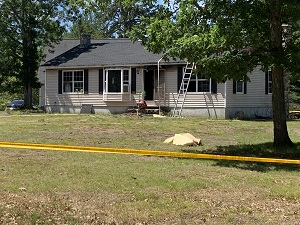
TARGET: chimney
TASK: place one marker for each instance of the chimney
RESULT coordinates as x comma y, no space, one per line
85,40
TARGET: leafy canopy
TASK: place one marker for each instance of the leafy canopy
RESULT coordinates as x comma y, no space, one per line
226,38
111,18
25,28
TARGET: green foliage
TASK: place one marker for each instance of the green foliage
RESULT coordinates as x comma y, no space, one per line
109,18
86,24
6,98
10,84
294,95
226,39
25,28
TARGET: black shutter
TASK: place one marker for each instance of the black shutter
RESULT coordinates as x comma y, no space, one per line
179,77
86,81
266,83
214,87
133,80
60,82
100,81
245,87
234,87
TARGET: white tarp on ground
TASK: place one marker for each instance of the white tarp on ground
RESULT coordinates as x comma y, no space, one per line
183,139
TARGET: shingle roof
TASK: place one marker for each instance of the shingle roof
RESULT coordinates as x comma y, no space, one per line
106,52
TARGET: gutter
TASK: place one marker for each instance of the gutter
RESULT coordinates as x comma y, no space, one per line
113,65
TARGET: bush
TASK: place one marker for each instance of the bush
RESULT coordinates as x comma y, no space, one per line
294,95
6,98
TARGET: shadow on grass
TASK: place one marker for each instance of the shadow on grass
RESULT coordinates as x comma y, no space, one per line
265,150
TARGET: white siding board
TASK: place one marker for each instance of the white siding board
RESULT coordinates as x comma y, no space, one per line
93,81
193,100
171,80
139,86
199,100
255,96
221,89
139,79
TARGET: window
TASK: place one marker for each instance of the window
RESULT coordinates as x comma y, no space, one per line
117,81
125,80
239,87
73,81
269,82
199,84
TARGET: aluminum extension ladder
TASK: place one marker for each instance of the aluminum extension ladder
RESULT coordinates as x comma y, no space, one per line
186,77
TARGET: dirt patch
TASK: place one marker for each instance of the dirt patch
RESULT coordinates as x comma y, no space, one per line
207,206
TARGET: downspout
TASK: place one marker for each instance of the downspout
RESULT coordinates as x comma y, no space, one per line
45,94
104,84
158,75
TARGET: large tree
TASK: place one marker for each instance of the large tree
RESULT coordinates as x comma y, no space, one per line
229,38
113,18
8,81
25,27
86,23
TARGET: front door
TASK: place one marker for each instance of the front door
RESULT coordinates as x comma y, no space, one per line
149,85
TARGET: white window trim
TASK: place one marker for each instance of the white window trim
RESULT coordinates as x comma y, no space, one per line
105,90
243,85
72,92
196,79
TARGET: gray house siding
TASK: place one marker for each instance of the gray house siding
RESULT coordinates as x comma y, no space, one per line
122,53
220,105
196,104
254,102
72,102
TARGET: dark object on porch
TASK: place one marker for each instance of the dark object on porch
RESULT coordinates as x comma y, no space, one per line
141,107
142,104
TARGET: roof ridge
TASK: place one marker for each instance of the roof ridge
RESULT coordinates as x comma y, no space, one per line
99,39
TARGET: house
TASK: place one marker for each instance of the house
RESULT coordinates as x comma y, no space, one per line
111,75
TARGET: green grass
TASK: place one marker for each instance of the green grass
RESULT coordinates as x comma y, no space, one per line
251,138
49,187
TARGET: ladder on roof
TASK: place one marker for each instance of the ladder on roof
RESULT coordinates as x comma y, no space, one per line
186,77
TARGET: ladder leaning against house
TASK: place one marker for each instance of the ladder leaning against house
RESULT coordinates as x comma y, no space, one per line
186,77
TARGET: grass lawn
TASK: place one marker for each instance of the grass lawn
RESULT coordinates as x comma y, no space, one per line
49,187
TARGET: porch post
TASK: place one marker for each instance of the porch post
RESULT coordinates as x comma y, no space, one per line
158,92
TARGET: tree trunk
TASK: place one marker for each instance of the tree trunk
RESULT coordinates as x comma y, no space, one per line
26,72
29,57
28,96
281,136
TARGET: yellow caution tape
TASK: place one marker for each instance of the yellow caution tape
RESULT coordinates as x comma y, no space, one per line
142,152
